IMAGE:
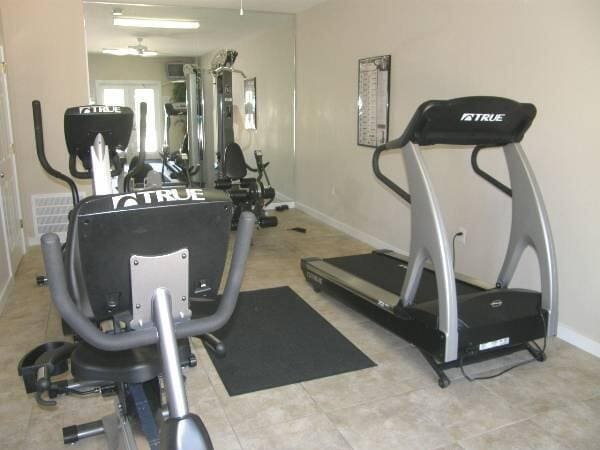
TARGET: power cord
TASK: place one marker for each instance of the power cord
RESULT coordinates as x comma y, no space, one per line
542,352
460,233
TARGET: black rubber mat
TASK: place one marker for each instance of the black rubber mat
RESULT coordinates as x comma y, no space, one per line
384,271
275,338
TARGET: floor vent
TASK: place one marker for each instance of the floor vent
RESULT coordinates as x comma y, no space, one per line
51,214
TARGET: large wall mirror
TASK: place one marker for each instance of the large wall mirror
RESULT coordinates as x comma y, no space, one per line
132,61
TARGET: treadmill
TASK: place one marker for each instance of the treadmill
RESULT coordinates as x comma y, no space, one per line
454,319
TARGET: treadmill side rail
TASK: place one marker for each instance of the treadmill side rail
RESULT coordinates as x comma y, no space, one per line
530,227
382,298
429,242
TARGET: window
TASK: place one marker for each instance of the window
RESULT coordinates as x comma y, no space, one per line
131,94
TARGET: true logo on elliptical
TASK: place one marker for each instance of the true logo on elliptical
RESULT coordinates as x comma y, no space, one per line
159,196
99,109
478,117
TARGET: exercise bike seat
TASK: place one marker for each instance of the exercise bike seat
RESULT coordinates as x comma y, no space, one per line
136,365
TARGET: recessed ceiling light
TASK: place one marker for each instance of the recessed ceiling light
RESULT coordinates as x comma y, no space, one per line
117,12
144,22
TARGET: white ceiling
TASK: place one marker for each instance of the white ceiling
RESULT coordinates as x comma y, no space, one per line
277,6
219,27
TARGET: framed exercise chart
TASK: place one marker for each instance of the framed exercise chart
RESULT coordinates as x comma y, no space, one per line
373,100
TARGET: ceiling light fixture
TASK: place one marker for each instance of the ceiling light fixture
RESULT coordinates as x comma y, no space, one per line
117,12
127,52
118,51
241,7
132,50
145,22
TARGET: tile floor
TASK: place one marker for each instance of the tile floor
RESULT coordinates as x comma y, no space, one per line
396,405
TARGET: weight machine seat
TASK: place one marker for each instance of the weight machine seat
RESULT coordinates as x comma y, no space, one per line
136,365
234,163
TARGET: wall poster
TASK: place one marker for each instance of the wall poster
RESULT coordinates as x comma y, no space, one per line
373,100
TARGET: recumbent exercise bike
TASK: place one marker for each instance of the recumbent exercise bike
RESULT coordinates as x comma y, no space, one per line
126,294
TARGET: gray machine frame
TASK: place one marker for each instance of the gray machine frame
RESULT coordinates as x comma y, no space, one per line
201,162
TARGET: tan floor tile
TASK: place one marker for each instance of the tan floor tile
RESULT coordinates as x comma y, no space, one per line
576,426
370,338
309,433
355,388
267,408
522,435
389,424
538,387
464,408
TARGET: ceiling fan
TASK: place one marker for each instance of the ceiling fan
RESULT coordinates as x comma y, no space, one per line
132,50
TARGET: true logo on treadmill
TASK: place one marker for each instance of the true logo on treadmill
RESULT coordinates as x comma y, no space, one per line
99,109
159,196
479,117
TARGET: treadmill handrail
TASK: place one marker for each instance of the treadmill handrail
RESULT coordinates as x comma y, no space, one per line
486,176
388,182
53,260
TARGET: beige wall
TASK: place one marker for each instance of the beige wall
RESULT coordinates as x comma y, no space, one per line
46,58
270,58
543,51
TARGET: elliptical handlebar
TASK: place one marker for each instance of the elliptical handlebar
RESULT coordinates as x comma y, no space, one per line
53,260
139,166
41,151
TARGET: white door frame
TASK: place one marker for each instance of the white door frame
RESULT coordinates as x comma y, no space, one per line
13,258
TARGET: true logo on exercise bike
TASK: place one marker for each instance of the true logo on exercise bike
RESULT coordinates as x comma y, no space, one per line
155,197
479,117
94,109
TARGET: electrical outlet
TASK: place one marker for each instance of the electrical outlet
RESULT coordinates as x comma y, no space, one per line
462,238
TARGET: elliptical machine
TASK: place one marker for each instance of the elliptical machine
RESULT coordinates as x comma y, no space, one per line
126,295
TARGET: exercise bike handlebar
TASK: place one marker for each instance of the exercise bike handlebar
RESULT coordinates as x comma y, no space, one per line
53,260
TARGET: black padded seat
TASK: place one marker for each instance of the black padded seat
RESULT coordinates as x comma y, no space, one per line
234,163
136,365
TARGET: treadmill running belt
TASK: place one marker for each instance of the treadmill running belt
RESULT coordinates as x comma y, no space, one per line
385,272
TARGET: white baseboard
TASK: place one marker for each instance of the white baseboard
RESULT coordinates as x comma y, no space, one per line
351,231
3,294
571,336
564,332
281,199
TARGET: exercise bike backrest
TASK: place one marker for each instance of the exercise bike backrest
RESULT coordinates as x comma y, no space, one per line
106,231
122,250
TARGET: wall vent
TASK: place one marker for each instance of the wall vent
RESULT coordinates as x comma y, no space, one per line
51,214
